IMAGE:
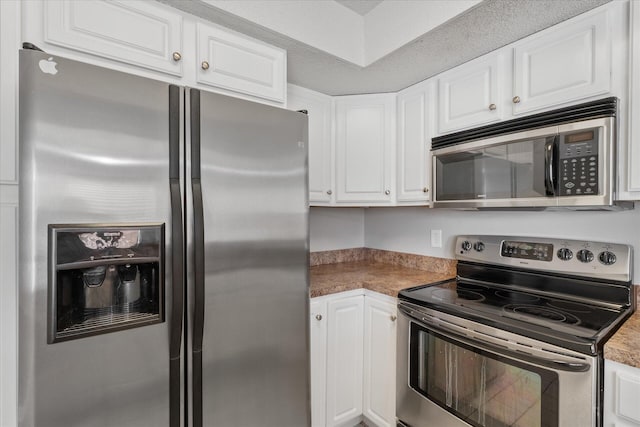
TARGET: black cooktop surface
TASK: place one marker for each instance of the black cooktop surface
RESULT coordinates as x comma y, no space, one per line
496,304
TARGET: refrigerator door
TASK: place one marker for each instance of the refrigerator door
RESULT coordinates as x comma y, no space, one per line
95,151
250,253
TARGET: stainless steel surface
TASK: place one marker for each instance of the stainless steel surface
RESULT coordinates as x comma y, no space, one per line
606,199
492,107
254,183
621,270
177,56
516,99
577,399
205,65
94,149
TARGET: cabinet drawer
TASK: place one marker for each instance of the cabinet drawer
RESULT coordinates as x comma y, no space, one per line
138,33
237,63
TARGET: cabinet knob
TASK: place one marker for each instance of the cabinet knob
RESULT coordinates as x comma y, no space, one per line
425,190
205,65
318,316
329,192
387,192
492,107
393,317
516,99
176,56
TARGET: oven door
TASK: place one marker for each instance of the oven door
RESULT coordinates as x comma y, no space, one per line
453,372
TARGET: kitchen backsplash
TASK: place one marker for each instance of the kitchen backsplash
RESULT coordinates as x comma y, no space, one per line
419,262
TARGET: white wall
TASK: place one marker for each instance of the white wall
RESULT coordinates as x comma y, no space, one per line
336,228
408,229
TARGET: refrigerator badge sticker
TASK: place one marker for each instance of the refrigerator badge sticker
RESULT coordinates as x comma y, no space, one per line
48,66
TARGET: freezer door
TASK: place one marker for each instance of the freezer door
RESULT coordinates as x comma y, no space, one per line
95,152
251,296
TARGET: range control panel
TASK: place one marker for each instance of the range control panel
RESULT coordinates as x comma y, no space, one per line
578,155
577,257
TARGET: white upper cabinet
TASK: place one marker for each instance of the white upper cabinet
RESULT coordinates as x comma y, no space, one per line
134,32
565,63
318,107
234,62
154,40
470,95
562,65
415,123
365,141
629,165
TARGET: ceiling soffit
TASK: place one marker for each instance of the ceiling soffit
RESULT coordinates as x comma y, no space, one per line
489,25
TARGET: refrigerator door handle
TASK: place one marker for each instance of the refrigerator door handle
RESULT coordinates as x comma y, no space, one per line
177,259
198,249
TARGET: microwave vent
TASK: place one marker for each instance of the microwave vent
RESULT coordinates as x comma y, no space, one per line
606,107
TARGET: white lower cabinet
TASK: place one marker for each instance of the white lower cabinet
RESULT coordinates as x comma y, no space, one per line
353,349
379,403
621,395
345,325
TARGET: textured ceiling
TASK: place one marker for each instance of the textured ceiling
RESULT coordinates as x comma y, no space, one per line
361,7
486,27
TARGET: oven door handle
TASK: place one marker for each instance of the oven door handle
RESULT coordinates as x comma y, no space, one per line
459,333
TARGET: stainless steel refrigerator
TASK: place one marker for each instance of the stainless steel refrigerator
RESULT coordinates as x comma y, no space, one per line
163,252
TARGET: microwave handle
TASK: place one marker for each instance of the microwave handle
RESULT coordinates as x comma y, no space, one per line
550,156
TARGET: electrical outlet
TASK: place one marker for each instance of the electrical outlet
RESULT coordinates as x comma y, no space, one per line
436,238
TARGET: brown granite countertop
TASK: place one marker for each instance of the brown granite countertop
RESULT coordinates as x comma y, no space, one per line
380,271
624,345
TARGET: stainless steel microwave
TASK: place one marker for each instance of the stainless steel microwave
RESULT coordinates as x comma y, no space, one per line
563,158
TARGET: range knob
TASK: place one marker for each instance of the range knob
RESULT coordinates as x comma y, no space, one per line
585,255
478,246
466,246
565,254
607,258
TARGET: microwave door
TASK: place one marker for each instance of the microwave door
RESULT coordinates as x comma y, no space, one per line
513,170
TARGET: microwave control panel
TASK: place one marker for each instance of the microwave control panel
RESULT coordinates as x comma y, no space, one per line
578,156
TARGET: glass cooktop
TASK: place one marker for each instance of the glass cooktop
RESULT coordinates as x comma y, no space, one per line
497,303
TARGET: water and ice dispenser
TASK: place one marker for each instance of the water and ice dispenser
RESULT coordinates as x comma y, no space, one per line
104,278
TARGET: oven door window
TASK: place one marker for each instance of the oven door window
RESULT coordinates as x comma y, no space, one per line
507,171
482,388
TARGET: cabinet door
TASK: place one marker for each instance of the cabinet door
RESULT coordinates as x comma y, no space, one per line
365,149
134,32
318,107
563,64
238,63
470,95
413,170
633,141
344,360
9,24
318,361
379,361
621,391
